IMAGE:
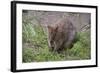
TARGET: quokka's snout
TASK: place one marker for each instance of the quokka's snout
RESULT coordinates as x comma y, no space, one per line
61,35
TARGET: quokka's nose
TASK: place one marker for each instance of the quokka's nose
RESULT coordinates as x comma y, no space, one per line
52,47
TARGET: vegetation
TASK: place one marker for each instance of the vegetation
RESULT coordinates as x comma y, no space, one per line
35,46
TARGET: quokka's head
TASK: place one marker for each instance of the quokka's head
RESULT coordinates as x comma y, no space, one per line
52,30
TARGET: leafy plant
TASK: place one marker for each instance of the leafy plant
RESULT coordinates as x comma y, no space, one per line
37,50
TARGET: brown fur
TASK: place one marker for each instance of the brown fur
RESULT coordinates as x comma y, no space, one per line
61,35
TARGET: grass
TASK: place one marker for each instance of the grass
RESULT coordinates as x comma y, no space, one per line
82,48
35,46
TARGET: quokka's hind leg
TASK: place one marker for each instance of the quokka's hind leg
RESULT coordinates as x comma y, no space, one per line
71,45
61,50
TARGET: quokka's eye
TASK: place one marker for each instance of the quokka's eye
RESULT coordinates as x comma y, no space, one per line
51,41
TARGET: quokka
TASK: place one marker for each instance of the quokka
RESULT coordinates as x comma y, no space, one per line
61,35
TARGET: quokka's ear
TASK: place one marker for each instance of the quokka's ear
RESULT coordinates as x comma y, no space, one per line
52,28
56,27
49,27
